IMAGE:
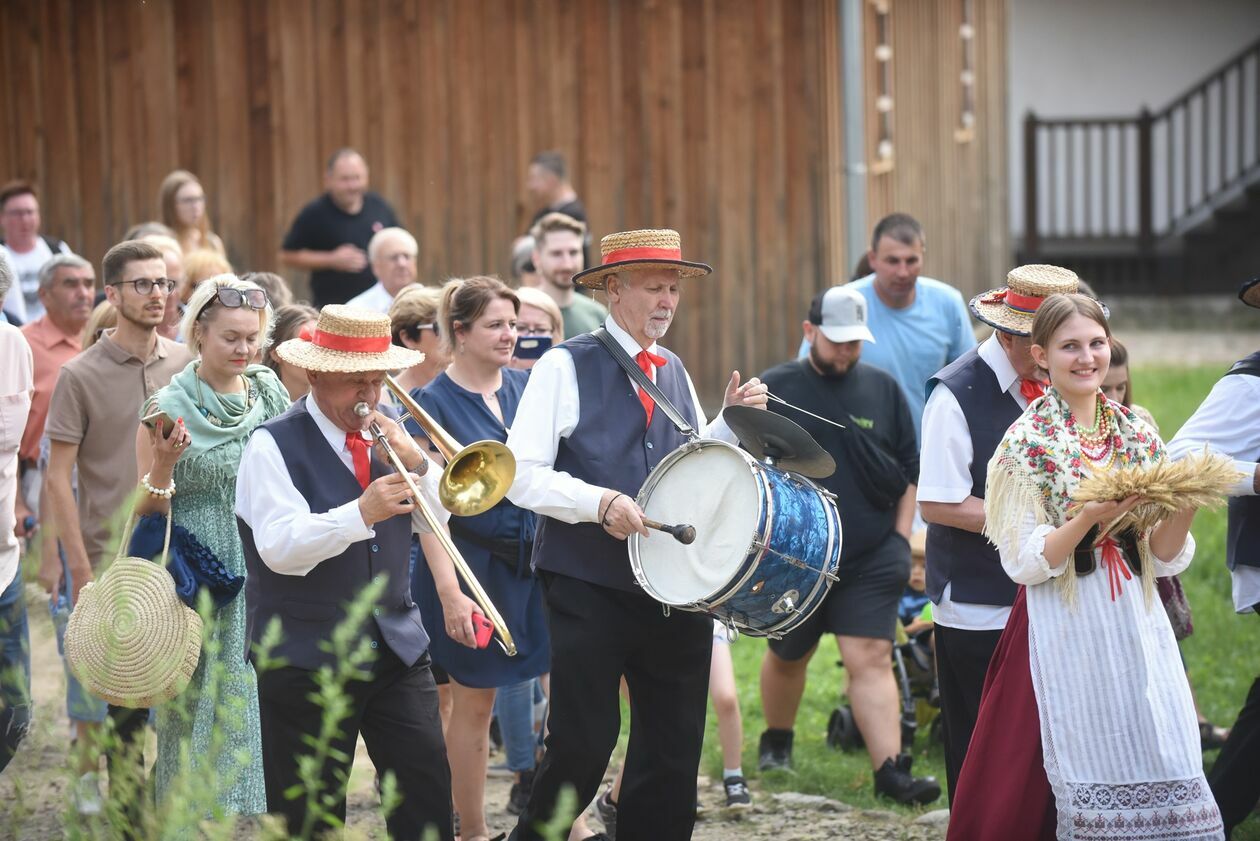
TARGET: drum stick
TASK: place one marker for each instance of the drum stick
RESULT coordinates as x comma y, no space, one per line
682,532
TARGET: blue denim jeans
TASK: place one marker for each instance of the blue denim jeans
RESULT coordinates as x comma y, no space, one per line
80,706
514,707
15,670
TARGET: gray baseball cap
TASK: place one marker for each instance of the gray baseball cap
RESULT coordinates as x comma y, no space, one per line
840,313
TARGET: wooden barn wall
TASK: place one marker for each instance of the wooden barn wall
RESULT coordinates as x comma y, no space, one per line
721,118
956,188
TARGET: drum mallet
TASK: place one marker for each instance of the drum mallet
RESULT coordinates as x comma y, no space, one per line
682,533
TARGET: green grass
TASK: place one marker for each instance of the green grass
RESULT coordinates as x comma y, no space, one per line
1223,655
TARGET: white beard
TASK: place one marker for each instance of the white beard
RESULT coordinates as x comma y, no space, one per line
653,330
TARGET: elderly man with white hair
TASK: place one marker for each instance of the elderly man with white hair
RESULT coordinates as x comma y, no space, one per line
392,255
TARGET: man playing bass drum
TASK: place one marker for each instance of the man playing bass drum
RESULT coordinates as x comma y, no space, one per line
585,439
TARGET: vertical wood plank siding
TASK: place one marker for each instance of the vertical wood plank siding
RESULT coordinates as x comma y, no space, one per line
721,118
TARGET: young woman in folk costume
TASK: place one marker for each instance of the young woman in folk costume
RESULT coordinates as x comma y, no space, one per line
1086,728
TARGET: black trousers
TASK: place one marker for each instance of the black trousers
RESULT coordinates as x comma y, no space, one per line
397,713
962,660
1235,778
597,635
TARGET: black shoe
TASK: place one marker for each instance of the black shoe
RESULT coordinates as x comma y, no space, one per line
607,811
737,794
518,797
893,780
775,751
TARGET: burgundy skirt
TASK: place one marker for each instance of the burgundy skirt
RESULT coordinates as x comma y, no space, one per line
1003,793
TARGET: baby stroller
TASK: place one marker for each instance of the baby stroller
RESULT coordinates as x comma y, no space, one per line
915,671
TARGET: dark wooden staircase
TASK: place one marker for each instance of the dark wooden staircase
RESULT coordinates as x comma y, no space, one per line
1164,202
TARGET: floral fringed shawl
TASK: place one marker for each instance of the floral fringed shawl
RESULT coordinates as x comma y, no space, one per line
1039,463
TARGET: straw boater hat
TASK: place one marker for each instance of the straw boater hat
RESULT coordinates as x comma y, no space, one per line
647,249
1012,307
1249,294
348,340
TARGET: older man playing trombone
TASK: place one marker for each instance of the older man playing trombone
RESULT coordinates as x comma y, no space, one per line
320,518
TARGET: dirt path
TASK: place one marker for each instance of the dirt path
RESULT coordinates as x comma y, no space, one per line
33,789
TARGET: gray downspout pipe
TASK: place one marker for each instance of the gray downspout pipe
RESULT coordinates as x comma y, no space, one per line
853,86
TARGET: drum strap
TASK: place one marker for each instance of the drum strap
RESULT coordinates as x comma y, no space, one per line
650,388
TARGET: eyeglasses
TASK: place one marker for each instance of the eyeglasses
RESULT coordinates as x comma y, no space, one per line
145,284
255,299
190,200
436,332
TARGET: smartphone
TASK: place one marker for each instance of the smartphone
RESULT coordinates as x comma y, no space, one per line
484,630
151,422
531,347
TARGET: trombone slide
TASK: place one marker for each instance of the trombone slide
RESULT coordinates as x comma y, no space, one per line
461,566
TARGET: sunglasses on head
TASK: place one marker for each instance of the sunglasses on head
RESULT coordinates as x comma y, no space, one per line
255,299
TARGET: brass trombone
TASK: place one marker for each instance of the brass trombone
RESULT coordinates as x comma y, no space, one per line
461,566
476,477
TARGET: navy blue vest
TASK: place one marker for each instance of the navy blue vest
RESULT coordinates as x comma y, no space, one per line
610,447
1242,537
965,558
310,606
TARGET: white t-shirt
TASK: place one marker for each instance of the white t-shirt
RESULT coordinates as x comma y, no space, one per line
23,301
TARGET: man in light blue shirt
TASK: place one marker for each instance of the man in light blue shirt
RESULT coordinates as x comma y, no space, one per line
921,324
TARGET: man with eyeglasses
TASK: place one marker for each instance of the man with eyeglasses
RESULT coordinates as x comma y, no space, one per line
392,254
92,422
26,249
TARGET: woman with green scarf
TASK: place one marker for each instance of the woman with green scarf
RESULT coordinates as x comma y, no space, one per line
1086,727
188,450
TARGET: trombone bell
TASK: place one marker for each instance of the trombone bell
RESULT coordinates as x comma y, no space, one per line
476,477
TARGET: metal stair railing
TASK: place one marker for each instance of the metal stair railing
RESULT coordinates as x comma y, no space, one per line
1134,179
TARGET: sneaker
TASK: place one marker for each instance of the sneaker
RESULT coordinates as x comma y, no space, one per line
607,811
894,780
87,794
737,794
775,751
518,797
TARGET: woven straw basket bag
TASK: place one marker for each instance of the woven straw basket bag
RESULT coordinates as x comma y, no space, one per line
130,640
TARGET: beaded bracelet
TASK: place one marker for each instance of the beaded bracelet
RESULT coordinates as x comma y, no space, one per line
161,493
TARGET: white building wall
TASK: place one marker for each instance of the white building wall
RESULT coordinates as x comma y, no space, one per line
1077,58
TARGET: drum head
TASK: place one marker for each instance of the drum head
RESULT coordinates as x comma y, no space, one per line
712,488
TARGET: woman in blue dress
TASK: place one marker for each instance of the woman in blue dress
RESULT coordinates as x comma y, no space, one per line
476,399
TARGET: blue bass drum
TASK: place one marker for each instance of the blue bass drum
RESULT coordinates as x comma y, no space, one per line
767,542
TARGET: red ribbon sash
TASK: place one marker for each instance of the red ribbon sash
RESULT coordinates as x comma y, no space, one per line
351,344
623,255
1113,560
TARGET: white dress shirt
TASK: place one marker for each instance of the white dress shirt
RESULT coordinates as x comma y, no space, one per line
945,475
290,538
549,411
1228,422
375,298
16,385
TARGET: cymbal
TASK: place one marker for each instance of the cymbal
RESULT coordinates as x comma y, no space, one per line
768,434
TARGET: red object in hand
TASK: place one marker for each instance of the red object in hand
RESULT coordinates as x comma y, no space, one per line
483,629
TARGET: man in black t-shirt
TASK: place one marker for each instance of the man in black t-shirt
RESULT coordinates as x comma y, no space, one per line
861,608
547,182
329,237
